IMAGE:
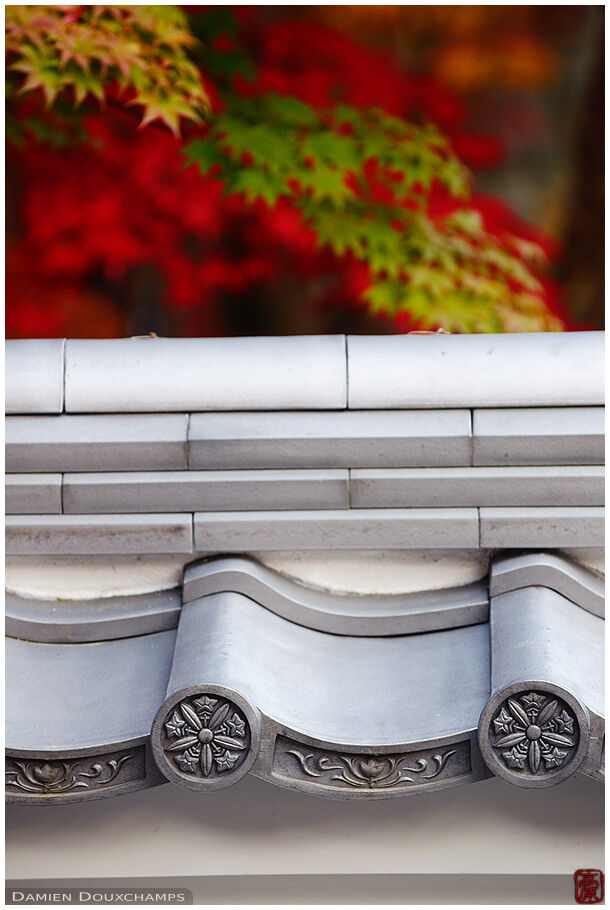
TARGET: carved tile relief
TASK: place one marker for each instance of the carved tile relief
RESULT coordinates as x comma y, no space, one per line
52,776
534,733
367,772
206,736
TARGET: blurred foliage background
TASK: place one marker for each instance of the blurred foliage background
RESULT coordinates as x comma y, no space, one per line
272,170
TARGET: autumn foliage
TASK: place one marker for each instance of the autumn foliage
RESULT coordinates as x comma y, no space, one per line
332,178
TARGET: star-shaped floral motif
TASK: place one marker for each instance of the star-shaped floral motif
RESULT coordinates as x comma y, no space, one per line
533,727
503,722
564,723
189,760
199,731
205,704
236,726
532,701
515,758
555,758
227,760
175,726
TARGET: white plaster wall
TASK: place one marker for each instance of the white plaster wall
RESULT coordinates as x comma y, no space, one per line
256,828
85,578
362,572
381,572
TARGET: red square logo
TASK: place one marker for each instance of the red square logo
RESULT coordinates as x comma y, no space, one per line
589,886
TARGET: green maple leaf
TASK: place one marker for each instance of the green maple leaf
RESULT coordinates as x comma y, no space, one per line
326,183
337,230
256,184
382,297
328,147
385,249
205,154
268,146
290,111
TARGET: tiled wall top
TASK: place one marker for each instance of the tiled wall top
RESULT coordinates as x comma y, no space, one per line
280,440
304,373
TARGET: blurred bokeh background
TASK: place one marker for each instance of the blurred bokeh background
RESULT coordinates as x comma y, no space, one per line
113,236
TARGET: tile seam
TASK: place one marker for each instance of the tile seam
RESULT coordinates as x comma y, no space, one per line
187,442
62,409
346,373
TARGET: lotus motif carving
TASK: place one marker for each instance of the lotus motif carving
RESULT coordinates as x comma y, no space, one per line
56,776
534,733
206,736
370,771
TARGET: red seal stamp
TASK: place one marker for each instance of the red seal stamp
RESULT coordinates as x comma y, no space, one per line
589,886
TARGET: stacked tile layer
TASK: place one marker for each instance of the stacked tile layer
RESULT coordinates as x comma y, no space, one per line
225,445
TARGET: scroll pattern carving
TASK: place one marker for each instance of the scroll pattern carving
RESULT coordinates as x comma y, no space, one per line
52,776
358,771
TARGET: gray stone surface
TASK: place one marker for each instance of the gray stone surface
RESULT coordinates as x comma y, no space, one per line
562,526
340,695
454,371
102,619
94,711
550,570
27,494
330,439
100,442
480,486
328,743
34,375
539,634
201,374
545,717
340,614
74,535
67,697
182,491
513,436
92,703
305,372
352,529
321,674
